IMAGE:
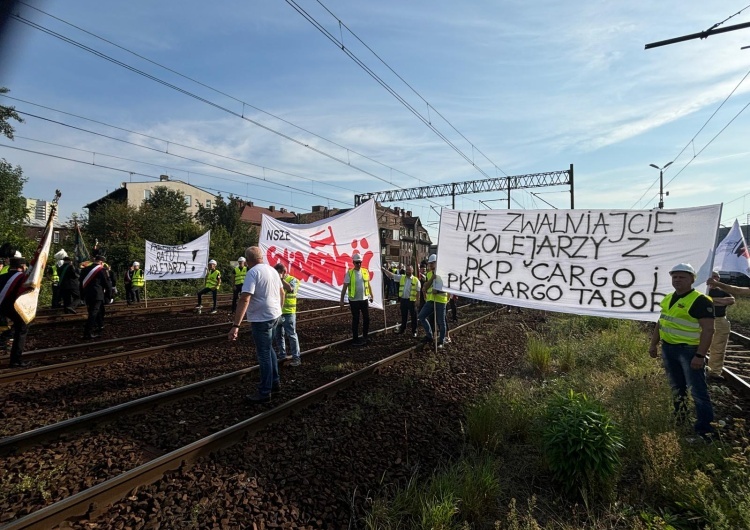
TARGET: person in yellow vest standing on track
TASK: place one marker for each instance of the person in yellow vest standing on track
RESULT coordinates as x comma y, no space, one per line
213,282
408,291
436,302
357,288
138,281
686,327
288,325
240,271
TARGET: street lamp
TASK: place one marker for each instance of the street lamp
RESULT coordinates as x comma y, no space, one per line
661,182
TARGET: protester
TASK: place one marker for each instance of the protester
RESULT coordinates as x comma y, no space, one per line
408,289
722,327
213,282
288,325
55,276
436,302
685,328
731,289
69,286
139,281
261,301
11,283
96,289
239,279
128,282
357,288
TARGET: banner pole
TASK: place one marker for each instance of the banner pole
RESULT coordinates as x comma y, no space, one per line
385,318
145,293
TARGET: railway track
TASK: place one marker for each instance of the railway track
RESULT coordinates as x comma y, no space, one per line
120,347
737,362
95,499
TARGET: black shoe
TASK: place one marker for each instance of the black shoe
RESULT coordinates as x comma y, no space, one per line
276,387
257,398
357,342
428,340
100,329
20,364
88,336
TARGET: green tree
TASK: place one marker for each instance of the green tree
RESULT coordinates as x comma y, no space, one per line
7,113
118,228
13,210
165,217
226,217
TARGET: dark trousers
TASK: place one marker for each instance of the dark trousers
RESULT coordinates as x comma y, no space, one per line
129,293
236,296
454,309
408,308
136,294
71,299
56,297
207,290
356,308
96,316
19,331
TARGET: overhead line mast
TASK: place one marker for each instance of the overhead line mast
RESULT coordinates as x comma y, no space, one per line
517,182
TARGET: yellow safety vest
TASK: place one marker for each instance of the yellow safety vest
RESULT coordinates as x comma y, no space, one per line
413,291
432,296
55,276
239,275
138,279
365,280
4,269
212,279
290,299
676,326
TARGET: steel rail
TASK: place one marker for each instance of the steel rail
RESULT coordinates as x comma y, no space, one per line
731,366
89,347
95,500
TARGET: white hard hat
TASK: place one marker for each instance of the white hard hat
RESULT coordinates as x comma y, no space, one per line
212,262
683,267
432,258
59,263
356,257
17,254
136,264
241,258
60,255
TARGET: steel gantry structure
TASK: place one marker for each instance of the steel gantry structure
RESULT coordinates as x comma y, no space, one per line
517,182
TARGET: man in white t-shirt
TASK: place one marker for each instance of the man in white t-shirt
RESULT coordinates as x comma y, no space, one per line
357,288
261,301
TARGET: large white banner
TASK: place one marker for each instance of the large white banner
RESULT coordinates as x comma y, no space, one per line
319,254
610,263
177,262
732,254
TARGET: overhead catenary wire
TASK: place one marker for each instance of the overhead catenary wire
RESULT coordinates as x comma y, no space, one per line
188,93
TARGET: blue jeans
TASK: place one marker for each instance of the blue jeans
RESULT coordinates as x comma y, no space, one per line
677,359
287,328
425,315
267,362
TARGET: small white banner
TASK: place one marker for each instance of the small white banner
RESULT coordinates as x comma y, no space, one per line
320,253
609,263
732,254
177,262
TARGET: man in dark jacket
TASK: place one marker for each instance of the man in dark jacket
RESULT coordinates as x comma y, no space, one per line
10,287
69,285
96,289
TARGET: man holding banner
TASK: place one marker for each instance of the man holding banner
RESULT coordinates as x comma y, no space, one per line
357,288
686,326
11,285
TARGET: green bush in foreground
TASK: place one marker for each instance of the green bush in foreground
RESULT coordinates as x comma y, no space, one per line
581,443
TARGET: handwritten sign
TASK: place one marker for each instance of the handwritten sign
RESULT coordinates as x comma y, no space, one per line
611,263
177,262
319,254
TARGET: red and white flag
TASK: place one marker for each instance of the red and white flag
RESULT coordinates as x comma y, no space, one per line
731,254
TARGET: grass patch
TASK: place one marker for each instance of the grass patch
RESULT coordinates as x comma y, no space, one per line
345,367
619,438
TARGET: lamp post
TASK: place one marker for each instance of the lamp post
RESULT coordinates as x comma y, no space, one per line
661,182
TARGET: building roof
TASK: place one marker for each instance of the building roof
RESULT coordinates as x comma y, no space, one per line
254,214
121,193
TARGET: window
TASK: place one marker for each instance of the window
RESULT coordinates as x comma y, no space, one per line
146,195
396,235
188,200
208,203
55,236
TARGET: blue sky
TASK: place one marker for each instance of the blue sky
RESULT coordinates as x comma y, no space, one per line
533,86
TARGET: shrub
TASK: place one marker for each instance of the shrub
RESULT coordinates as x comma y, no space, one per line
581,443
538,354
